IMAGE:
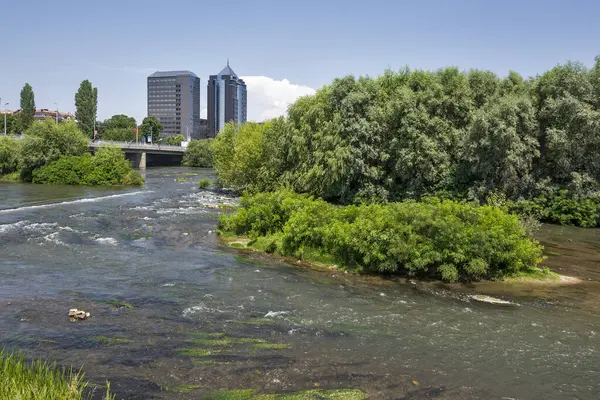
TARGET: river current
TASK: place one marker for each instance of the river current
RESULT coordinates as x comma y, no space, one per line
177,314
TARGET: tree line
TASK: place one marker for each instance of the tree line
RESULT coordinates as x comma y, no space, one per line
413,133
117,128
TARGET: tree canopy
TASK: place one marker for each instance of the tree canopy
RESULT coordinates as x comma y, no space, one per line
27,107
86,104
151,127
414,133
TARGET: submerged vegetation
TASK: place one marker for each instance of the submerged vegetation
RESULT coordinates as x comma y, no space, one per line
315,394
413,134
57,154
441,239
39,380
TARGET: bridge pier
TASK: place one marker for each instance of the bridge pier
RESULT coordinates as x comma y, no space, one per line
142,160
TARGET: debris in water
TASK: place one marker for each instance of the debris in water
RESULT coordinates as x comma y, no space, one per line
75,314
491,300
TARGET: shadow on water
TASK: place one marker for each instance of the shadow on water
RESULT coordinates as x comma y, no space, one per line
177,315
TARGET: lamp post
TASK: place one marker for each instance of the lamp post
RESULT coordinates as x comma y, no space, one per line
5,108
56,113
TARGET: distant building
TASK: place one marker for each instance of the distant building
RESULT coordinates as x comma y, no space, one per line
44,113
227,100
174,99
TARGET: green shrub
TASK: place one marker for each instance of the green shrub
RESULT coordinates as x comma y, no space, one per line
40,380
199,154
107,167
561,208
174,140
9,154
204,183
45,142
435,238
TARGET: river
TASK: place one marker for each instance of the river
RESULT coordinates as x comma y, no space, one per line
175,310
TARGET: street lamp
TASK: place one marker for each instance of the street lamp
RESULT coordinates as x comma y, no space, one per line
56,113
5,108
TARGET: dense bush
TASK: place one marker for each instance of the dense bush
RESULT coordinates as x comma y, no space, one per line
9,154
199,154
174,140
107,167
413,134
45,142
435,238
561,208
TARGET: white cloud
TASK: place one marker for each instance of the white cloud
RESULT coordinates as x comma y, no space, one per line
269,98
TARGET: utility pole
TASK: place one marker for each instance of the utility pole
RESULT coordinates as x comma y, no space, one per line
56,113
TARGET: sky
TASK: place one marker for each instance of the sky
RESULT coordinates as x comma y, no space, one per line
283,49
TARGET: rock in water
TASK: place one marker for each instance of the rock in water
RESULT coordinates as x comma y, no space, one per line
491,300
75,314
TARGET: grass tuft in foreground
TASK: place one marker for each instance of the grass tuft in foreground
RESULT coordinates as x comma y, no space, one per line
40,380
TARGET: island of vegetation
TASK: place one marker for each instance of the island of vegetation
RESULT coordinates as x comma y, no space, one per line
59,154
434,174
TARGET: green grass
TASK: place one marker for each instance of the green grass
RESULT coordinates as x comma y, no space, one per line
179,180
269,346
533,274
204,183
180,388
225,342
250,394
40,380
205,335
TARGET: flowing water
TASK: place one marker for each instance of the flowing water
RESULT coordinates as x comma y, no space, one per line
175,310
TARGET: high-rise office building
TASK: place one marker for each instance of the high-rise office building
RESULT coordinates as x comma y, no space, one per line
174,99
227,100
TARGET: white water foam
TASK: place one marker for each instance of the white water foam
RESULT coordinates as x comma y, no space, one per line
275,314
53,238
86,200
9,227
107,241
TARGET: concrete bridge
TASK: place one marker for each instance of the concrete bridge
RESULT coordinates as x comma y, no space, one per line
143,154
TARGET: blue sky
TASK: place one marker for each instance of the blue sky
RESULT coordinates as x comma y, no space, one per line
286,48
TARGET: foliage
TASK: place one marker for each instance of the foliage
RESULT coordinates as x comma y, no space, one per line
12,123
27,107
40,380
174,140
119,134
204,183
86,104
9,154
151,127
119,128
443,239
238,154
562,208
198,153
412,134
45,142
107,167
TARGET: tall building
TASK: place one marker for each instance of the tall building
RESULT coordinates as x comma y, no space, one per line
174,99
227,100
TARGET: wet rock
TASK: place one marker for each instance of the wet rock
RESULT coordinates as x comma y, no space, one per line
491,300
76,315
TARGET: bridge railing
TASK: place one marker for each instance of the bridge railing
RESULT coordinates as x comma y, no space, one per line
136,146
